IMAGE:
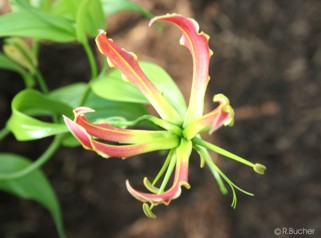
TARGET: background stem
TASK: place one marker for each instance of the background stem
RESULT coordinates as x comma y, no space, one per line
55,144
3,133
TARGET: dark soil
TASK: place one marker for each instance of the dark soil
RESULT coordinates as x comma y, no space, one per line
267,60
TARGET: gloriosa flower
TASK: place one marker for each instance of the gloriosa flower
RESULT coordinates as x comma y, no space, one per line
179,134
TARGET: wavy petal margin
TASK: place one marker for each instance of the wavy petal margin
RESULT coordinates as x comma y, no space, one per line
105,150
222,115
197,43
127,63
183,153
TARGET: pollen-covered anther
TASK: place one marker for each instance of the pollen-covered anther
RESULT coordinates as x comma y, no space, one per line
259,168
148,211
150,186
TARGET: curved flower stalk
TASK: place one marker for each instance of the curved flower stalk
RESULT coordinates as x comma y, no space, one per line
179,134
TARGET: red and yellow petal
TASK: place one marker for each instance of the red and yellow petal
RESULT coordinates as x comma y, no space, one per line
125,151
80,133
127,63
89,135
181,178
107,132
222,115
197,43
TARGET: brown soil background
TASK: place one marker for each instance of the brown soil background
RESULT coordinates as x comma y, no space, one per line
267,60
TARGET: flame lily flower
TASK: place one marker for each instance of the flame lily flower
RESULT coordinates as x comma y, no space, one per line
179,134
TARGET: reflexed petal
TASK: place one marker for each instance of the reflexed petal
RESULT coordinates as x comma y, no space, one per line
127,64
222,115
110,133
84,131
80,133
197,43
183,153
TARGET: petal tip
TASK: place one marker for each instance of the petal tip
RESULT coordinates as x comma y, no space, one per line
82,110
101,31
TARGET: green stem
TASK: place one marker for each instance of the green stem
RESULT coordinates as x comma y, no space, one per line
91,59
104,65
93,69
85,95
221,151
3,133
36,164
35,47
41,81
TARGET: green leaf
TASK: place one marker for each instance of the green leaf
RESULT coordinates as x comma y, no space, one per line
113,6
72,7
87,14
31,22
89,19
108,108
33,186
29,103
72,95
41,4
112,86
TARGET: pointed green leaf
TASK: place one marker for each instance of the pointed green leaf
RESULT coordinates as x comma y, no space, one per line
41,4
89,19
29,103
58,8
72,94
108,108
112,86
71,6
32,22
33,186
